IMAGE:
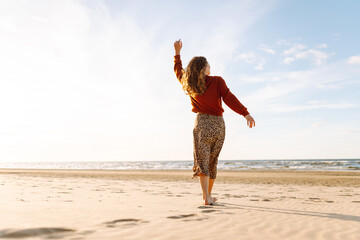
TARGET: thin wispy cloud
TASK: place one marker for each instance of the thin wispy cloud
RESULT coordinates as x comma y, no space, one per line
249,57
281,84
268,50
354,60
296,108
260,64
299,51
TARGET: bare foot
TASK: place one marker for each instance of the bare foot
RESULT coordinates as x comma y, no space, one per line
213,198
209,201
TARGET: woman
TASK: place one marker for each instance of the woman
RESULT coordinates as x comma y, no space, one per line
206,93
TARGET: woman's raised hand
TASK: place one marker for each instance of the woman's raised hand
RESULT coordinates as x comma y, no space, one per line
250,121
177,46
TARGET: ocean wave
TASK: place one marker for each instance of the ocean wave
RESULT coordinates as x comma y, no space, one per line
310,165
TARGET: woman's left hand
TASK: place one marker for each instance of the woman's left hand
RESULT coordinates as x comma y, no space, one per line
250,121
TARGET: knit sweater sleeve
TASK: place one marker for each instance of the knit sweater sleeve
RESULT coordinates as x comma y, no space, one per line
178,67
230,99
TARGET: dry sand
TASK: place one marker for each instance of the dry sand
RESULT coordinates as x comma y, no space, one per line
104,204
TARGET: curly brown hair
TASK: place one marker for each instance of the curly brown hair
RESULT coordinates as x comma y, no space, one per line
193,78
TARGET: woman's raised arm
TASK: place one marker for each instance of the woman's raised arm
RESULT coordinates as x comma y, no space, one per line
177,46
177,61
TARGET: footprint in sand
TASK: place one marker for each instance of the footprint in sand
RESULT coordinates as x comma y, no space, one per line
315,199
185,193
31,232
99,190
85,232
239,196
206,206
124,221
208,211
182,216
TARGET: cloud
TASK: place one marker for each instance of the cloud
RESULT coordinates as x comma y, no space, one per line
290,82
248,57
268,50
354,60
328,86
260,64
252,58
354,131
299,51
297,48
259,79
316,56
288,60
295,108
317,101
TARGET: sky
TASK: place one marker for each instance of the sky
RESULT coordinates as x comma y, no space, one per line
94,80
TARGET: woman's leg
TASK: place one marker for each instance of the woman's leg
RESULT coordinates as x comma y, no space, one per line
215,151
202,134
204,181
211,184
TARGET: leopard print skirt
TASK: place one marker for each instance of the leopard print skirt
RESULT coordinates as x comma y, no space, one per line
209,136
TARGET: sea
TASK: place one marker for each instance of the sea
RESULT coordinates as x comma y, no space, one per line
235,165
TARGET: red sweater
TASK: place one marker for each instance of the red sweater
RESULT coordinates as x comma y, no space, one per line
210,101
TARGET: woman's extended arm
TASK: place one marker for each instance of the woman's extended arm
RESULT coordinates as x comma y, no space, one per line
177,61
232,102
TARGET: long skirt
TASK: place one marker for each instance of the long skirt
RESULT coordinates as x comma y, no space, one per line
209,136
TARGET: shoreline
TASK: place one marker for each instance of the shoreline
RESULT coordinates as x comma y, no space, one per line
278,177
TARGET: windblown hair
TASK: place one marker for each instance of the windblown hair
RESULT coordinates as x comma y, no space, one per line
193,78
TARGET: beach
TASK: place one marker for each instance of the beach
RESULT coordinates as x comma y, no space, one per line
167,204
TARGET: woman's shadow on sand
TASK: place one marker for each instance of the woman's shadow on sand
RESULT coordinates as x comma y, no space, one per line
224,205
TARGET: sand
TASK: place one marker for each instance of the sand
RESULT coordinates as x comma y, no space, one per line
109,204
